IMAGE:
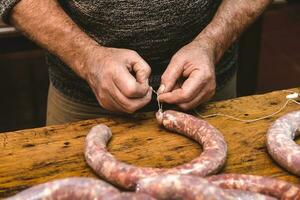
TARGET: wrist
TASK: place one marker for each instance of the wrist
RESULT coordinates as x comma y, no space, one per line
215,40
85,58
209,46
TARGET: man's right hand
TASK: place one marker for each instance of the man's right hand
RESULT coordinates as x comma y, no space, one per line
118,78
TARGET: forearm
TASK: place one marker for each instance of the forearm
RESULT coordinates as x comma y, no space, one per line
46,23
231,19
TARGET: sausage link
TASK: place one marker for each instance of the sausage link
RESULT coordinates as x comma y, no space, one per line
246,195
131,196
212,141
187,187
76,188
264,185
126,176
280,142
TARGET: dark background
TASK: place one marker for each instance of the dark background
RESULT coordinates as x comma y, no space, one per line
269,60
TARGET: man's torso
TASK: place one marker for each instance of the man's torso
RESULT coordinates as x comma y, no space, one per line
156,29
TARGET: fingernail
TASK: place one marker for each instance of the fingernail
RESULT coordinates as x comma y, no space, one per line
161,89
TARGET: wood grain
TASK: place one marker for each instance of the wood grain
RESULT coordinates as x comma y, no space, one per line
34,156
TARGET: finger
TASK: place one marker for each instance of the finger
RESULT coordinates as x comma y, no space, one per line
128,85
176,86
142,71
203,97
133,104
109,103
171,75
188,91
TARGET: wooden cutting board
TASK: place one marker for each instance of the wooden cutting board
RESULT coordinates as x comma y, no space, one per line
34,156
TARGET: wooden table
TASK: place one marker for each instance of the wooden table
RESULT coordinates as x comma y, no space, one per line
29,157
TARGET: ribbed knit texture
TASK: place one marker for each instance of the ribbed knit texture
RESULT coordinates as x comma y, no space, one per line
5,8
156,29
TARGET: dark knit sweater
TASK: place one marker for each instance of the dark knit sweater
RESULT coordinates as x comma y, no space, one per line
156,29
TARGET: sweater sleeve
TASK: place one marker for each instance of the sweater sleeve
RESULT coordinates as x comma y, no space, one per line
5,7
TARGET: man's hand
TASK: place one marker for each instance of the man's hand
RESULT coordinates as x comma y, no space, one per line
194,63
119,79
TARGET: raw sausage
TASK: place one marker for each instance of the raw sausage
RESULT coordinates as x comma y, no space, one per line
76,188
264,185
126,176
131,196
280,141
213,143
189,187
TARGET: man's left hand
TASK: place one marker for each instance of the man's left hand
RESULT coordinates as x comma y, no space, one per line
189,79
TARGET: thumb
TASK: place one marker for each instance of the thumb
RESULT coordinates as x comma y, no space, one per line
170,76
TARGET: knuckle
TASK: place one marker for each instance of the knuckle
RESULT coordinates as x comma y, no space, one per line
130,91
102,102
175,58
211,78
143,71
164,78
184,107
107,73
185,96
132,53
148,69
105,88
207,78
130,109
148,98
212,89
